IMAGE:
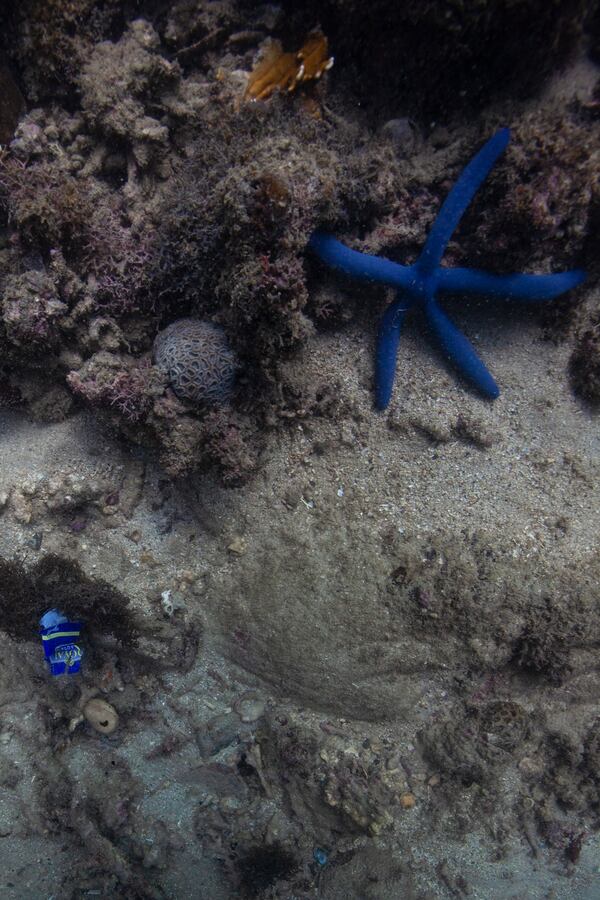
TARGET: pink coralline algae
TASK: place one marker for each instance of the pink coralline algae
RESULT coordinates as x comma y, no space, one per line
31,309
196,358
109,380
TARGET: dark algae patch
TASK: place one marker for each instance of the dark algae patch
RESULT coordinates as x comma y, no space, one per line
261,867
54,582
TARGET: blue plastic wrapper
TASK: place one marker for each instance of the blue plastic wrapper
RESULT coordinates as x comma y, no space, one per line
320,856
59,639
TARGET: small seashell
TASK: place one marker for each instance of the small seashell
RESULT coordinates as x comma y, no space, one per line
407,800
101,715
237,546
167,603
249,707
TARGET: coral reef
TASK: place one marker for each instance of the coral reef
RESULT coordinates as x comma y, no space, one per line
234,249
48,42
107,223
48,206
373,671
550,180
104,212
233,444
119,109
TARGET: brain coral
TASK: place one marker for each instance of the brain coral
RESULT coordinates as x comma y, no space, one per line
197,360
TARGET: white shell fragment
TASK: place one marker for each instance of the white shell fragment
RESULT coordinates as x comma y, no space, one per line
101,715
249,707
167,603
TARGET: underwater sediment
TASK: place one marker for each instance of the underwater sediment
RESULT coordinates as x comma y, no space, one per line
327,650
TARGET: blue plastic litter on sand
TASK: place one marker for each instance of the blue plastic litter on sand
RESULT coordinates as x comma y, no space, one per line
59,639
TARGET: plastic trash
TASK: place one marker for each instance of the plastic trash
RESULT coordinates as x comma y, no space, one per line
59,639
320,856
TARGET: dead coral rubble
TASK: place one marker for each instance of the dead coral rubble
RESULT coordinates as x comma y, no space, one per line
32,309
340,785
126,385
120,109
46,204
541,204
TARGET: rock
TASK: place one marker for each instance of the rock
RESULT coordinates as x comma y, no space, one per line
35,540
237,546
218,733
401,134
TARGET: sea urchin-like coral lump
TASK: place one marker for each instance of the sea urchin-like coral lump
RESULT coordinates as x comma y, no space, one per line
198,361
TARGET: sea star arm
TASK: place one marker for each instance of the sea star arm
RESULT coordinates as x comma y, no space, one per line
360,265
511,287
460,351
388,338
458,200
417,284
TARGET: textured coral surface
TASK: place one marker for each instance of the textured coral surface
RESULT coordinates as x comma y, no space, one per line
197,360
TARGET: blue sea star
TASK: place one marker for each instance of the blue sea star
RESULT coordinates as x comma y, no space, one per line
417,285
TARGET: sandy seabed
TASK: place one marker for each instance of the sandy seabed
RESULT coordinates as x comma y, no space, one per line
371,669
